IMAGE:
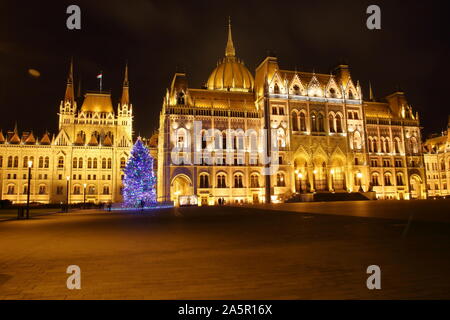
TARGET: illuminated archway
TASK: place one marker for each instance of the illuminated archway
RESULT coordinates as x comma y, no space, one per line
181,186
417,187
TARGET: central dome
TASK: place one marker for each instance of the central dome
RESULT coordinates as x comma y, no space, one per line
230,74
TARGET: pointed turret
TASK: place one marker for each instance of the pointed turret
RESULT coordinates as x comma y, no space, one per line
229,50
125,91
370,92
2,138
70,96
45,139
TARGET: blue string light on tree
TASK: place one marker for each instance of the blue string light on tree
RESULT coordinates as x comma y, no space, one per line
139,178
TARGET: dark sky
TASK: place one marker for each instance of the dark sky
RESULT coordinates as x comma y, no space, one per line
411,51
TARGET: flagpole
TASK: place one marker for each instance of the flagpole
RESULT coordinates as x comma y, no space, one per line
101,79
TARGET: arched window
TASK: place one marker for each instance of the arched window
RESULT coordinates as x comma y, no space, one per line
103,163
204,180
313,122
11,189
281,180
221,181
41,162
16,162
254,181
387,179
397,145
42,189
370,144
106,190
109,163
320,123
296,90
413,145
10,162
80,163
75,163
253,141
25,162
180,98
238,181
76,189
339,123
331,123
123,162
388,145
281,138
350,94
239,141
294,121
94,163
89,163
375,179
91,190
357,140
302,121
276,89
47,162
61,162
181,142
400,181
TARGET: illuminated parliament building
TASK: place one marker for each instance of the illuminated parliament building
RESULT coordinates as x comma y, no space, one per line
326,136
86,156
243,137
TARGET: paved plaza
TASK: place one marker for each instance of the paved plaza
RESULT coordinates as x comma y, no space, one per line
291,251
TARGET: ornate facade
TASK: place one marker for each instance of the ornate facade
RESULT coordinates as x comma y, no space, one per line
87,154
437,164
317,130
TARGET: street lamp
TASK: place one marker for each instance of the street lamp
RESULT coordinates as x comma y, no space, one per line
359,176
332,179
67,199
30,164
84,195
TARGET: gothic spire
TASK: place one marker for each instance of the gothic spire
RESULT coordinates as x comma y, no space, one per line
370,92
229,51
125,92
69,96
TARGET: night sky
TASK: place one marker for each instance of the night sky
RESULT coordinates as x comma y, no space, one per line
411,51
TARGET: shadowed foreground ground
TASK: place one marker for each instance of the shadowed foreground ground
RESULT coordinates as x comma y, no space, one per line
226,253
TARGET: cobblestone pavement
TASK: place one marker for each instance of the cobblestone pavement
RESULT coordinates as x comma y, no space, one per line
223,253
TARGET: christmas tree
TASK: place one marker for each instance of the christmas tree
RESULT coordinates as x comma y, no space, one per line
139,181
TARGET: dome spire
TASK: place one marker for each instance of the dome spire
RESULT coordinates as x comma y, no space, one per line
229,51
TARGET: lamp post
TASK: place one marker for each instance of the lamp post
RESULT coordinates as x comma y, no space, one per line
84,195
332,179
30,164
359,176
67,199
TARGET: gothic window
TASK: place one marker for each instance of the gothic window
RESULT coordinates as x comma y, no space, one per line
89,165
254,181
25,162
11,189
375,179
105,189
302,121
350,94
281,138
400,179
80,163
320,121
109,163
103,163
16,162
281,180
94,163
331,123
41,162
276,89
387,179
61,162
294,121
42,189
221,181
91,190
339,123
76,190
332,93
350,115
313,122
180,98
181,138
397,145
122,162
204,180
10,162
74,163
296,90
357,140
238,181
